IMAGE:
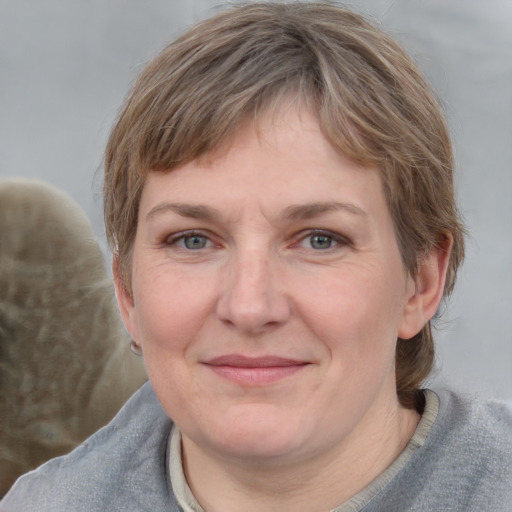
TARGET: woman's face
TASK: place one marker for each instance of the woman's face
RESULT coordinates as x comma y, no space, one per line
268,293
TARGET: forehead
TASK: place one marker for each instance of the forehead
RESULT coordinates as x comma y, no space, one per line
281,161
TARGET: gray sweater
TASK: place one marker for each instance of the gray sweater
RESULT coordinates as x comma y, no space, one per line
464,464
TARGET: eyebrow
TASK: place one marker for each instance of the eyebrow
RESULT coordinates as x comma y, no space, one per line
292,212
193,211
311,210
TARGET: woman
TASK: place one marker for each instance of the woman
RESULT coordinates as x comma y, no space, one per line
279,200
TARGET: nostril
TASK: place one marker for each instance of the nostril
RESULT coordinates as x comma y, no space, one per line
250,298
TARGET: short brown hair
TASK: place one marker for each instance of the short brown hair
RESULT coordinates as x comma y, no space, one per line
372,104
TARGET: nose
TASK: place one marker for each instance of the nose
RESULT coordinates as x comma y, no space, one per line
251,299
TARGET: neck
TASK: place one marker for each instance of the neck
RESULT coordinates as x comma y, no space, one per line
318,483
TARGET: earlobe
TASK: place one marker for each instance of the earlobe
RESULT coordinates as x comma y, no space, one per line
125,300
427,289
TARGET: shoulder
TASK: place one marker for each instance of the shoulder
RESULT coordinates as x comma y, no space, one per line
480,430
465,463
471,448
121,467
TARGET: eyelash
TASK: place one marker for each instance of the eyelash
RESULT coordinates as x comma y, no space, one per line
174,239
338,240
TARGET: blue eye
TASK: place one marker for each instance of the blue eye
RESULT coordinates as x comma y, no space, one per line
190,241
323,241
195,242
320,242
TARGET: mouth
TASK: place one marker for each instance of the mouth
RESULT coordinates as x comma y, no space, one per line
258,371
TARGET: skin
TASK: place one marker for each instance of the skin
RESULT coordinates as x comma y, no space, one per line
267,295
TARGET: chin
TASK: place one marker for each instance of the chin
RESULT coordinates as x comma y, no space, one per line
260,436
262,448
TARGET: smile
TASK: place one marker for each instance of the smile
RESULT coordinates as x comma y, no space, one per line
259,371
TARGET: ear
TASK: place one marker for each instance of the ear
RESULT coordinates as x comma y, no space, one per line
125,301
426,289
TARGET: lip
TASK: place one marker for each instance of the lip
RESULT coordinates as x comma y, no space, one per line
254,371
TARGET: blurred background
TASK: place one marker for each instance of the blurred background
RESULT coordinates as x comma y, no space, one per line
65,66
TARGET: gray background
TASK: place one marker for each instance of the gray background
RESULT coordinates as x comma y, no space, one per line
65,66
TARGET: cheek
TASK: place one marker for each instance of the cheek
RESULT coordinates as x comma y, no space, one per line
352,312
171,308
170,315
